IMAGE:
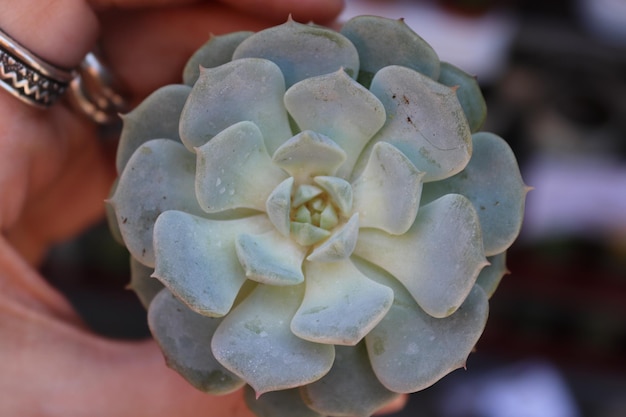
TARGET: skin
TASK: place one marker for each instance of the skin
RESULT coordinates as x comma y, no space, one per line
55,173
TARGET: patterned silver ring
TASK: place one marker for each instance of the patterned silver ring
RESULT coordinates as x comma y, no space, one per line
94,91
28,77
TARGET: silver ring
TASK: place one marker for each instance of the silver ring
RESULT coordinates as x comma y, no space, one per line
96,92
28,77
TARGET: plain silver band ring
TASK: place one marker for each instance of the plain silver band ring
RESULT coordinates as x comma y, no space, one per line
28,77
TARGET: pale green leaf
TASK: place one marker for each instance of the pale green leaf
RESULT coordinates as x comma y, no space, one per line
340,244
309,154
301,51
278,206
142,282
469,94
339,190
425,121
341,305
271,258
158,177
411,350
216,51
284,403
493,183
197,261
336,106
243,90
234,170
438,259
185,339
382,42
351,388
387,192
491,275
255,342
155,118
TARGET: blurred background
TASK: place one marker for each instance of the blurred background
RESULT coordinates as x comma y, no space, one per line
554,77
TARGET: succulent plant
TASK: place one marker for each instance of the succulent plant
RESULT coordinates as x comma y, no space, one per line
316,216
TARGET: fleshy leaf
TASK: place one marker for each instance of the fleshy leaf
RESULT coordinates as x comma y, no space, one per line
493,183
255,342
336,106
271,258
234,170
247,89
305,193
424,120
491,275
382,42
284,403
158,177
339,190
217,51
437,259
341,305
340,244
185,339
306,234
197,261
278,206
142,282
109,213
387,193
309,154
155,118
469,94
410,350
350,388
290,46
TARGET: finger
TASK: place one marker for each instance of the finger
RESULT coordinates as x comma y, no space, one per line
59,31
133,4
320,11
394,406
84,375
149,48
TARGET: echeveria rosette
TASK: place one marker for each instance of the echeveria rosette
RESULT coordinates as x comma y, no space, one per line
323,218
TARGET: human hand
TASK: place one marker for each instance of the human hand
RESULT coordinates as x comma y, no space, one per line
54,176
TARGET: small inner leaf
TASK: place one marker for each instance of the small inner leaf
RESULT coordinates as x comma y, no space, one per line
309,154
304,193
278,206
270,258
339,190
340,244
306,234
